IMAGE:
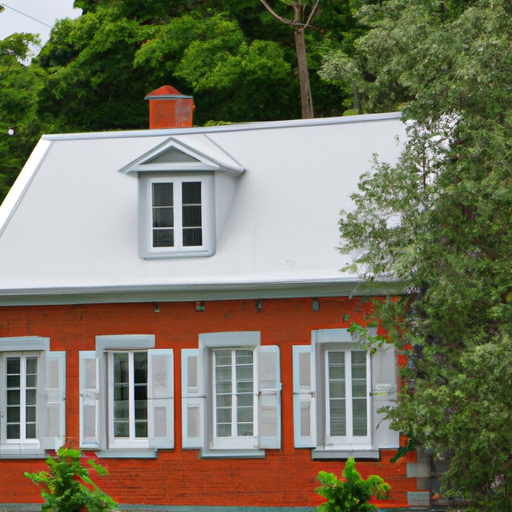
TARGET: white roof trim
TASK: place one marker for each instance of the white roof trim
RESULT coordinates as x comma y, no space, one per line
22,183
208,156
271,125
194,292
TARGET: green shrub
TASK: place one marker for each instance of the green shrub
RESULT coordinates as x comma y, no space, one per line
67,486
353,494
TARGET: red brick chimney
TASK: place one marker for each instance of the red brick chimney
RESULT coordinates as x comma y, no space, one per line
168,108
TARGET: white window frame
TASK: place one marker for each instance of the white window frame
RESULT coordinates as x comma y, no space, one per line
96,398
23,356
349,439
234,441
50,397
198,402
131,441
310,398
146,181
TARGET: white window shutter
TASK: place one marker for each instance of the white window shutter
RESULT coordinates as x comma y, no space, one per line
54,426
384,393
89,399
161,398
304,401
269,397
193,400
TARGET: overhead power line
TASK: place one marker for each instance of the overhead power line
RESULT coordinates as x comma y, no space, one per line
3,6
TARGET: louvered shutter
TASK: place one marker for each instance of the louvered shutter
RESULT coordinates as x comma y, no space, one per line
269,397
161,398
54,427
384,393
304,401
89,399
193,400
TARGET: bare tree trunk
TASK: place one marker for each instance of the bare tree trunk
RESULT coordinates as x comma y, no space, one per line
306,99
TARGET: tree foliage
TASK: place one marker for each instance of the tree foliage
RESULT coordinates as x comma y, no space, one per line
439,220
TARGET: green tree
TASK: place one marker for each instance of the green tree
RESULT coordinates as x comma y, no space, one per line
19,125
440,221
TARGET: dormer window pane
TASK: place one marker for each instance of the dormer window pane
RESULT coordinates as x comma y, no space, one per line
191,204
163,214
163,194
163,238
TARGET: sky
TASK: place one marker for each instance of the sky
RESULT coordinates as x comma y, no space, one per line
46,11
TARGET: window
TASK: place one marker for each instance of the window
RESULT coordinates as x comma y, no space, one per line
338,390
21,397
32,412
231,395
177,215
133,383
347,397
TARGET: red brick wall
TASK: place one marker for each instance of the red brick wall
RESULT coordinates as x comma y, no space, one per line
286,477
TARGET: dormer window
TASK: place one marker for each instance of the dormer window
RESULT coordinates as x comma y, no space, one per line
177,197
177,215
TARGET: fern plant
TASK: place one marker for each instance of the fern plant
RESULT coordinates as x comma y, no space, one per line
352,494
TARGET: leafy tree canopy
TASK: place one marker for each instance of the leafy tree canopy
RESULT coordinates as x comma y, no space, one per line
440,220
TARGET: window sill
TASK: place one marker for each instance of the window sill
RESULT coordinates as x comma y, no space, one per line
22,453
231,454
322,454
127,454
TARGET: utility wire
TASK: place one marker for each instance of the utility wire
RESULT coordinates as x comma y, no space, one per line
2,8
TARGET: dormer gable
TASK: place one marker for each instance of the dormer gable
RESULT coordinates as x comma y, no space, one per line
177,196
199,153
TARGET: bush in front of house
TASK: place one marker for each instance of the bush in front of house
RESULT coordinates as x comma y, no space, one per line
352,494
67,486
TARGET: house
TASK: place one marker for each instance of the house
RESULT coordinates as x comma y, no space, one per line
171,302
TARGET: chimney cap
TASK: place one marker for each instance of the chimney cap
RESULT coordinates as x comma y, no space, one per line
166,92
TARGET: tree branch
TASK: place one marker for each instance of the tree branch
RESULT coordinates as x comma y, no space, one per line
286,21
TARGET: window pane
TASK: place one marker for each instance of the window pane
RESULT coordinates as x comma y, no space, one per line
120,368
338,418
13,431
223,430
191,192
359,388
245,414
224,401
13,397
359,411
192,237
13,414
30,413
141,410
121,392
224,415
141,429
163,238
337,389
121,429
31,381
163,217
31,396
140,367
245,400
13,381
121,410
245,430
191,216
163,194
31,431
31,365
13,365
